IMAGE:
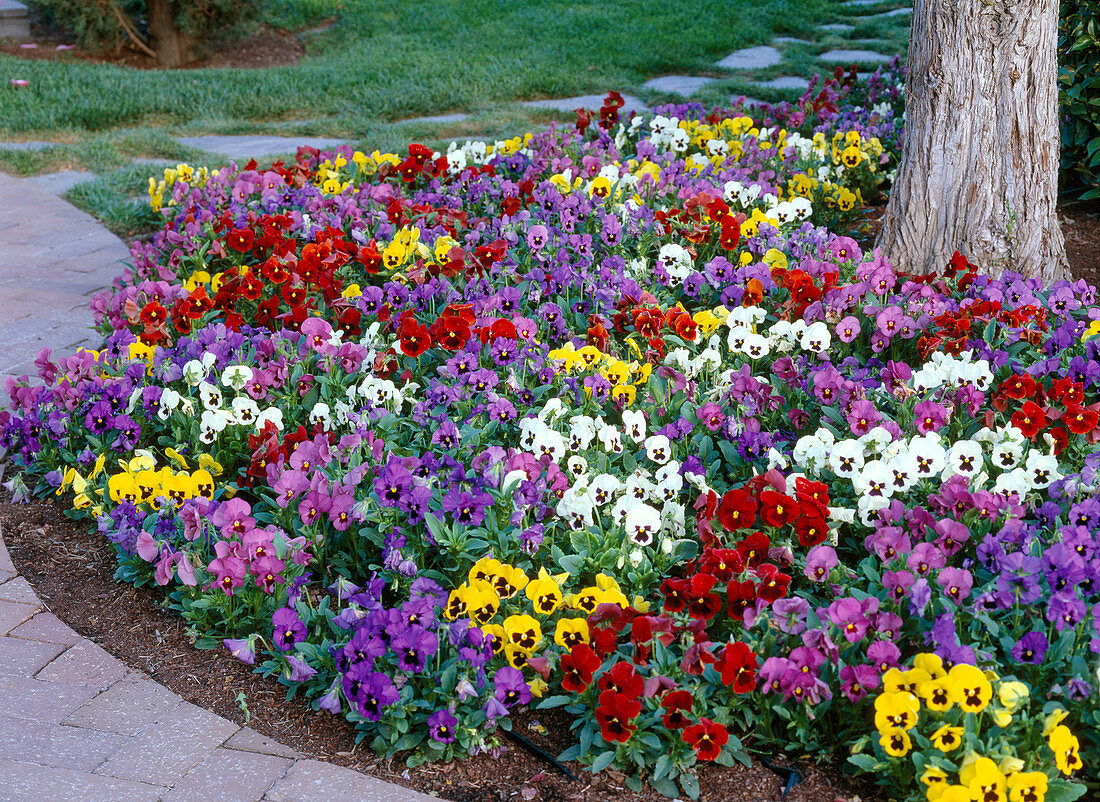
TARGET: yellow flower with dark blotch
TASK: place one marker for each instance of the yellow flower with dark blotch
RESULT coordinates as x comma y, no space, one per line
516,656
523,631
590,355
969,688
204,483
509,581
570,632
1027,786
896,711
122,487
496,636
707,322
484,569
930,662
482,601
624,394
1065,746
934,777
600,187
544,593
895,680
952,793
936,694
986,782
947,738
896,742
456,603
851,156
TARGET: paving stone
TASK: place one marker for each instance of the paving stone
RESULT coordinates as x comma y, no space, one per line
751,58
791,40
54,745
22,658
685,85
6,575
310,780
243,148
46,627
127,707
784,82
12,8
12,614
30,145
837,27
15,28
248,740
230,775
165,751
5,559
84,663
436,118
849,56
47,702
630,103
18,590
26,782
861,2
897,12
60,182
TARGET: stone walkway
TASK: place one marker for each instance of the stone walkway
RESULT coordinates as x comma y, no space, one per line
76,723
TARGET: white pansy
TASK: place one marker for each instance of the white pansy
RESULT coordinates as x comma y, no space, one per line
236,376
321,413
512,480
675,260
552,410
210,395
846,458
875,479
876,440
212,422
639,488
245,410
169,400
576,466
809,452
816,338
658,448
928,455
708,359
548,443
756,346
634,423
604,488
272,415
582,431
1007,454
868,506
735,340
670,468
964,457
610,438
642,524
1041,469
1014,481
925,379
903,472
669,488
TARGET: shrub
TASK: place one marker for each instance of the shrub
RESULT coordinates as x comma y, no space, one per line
1079,52
104,26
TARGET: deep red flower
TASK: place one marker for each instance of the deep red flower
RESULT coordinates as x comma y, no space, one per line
604,640
707,738
622,678
615,713
415,338
451,333
722,563
740,594
1019,386
1066,391
736,510
577,668
737,665
730,236
811,529
240,239
676,593
754,549
153,314
1080,420
773,583
817,491
703,603
1030,419
675,704
778,509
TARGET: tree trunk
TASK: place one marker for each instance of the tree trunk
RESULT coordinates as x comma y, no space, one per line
174,47
979,152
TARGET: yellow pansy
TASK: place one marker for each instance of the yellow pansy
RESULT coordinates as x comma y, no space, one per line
571,631
985,781
351,292
1065,746
544,593
936,694
208,463
522,631
1052,720
930,662
775,258
895,741
508,581
947,738
896,711
969,688
1012,694
1027,786
934,776
624,394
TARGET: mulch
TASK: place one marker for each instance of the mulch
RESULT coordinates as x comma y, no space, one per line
71,569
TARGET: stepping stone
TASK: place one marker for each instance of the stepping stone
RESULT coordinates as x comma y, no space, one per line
14,23
60,182
437,118
861,2
25,145
631,103
897,12
751,58
685,85
791,40
849,56
784,82
243,148
837,27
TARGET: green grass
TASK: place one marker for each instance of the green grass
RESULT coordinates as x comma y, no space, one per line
384,61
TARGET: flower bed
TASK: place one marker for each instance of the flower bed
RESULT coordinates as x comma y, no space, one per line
606,419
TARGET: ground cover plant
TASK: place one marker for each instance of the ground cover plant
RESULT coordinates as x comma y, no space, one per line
606,418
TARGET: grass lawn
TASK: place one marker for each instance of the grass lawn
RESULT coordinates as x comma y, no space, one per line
381,63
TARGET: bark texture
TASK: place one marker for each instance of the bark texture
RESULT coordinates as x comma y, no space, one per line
174,47
979,163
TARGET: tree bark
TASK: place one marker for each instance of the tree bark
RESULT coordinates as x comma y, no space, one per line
979,151
174,47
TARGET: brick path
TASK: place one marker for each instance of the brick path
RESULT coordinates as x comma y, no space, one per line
76,723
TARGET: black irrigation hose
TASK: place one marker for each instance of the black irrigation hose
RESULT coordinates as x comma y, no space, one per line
534,750
792,776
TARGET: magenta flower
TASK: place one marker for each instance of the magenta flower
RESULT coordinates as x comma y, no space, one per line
820,560
268,571
288,629
929,416
956,583
863,417
848,329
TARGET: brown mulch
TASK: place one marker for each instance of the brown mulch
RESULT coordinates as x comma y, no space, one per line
71,569
266,47
1080,226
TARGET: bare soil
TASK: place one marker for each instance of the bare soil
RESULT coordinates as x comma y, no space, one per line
71,570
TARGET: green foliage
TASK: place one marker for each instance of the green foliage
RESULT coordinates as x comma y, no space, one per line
1079,94
103,26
